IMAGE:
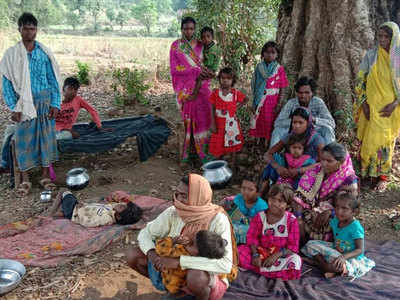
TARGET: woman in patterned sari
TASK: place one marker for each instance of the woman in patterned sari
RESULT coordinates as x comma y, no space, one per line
317,188
186,57
376,111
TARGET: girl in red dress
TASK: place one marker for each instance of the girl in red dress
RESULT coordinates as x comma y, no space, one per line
226,135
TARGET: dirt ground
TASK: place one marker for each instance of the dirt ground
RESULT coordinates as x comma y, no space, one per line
104,275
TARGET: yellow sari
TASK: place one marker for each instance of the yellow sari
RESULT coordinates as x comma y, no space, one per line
378,134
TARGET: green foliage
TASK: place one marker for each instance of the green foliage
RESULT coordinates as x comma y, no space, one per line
174,29
111,16
244,115
46,11
129,86
73,18
83,72
146,13
4,15
95,8
241,26
122,17
180,4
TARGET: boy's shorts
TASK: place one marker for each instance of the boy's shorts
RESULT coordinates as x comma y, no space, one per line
68,202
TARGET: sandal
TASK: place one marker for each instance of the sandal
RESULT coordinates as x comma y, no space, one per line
23,189
47,184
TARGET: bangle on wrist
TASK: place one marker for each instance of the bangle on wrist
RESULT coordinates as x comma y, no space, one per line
254,255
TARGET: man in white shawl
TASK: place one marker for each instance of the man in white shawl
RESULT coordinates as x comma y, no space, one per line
31,90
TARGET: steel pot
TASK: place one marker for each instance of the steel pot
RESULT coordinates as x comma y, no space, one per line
217,173
11,274
77,179
45,196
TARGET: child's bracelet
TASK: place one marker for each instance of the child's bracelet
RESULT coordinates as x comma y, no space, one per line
298,171
333,213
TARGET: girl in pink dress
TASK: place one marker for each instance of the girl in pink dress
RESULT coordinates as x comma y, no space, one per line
186,55
268,80
272,241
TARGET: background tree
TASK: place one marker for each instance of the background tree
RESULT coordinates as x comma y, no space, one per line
111,14
95,8
122,17
75,12
145,12
327,40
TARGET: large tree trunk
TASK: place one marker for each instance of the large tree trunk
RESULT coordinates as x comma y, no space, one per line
326,39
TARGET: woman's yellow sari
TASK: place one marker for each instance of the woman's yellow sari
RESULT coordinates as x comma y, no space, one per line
378,84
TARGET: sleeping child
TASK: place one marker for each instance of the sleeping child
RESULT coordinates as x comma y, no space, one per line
206,244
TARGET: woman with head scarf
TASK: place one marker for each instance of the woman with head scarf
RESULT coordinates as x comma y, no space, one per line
192,211
377,112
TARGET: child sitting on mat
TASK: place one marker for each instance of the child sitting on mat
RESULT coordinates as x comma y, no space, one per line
70,107
272,242
345,256
206,244
94,214
243,207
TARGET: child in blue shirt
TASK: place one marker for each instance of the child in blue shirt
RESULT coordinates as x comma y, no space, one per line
243,207
345,256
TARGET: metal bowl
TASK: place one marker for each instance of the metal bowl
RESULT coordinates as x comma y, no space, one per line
217,173
45,196
77,179
11,274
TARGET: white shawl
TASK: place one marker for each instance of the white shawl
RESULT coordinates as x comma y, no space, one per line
15,67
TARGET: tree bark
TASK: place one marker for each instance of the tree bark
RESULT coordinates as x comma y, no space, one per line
327,39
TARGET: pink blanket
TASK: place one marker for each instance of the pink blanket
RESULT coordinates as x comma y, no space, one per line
55,241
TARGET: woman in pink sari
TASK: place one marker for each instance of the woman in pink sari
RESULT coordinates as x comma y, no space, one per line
317,188
186,57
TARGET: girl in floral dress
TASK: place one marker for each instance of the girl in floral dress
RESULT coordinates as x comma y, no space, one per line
226,137
272,241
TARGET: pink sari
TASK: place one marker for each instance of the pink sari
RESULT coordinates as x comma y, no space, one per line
315,194
196,115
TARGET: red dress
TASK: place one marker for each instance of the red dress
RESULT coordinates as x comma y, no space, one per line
228,137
